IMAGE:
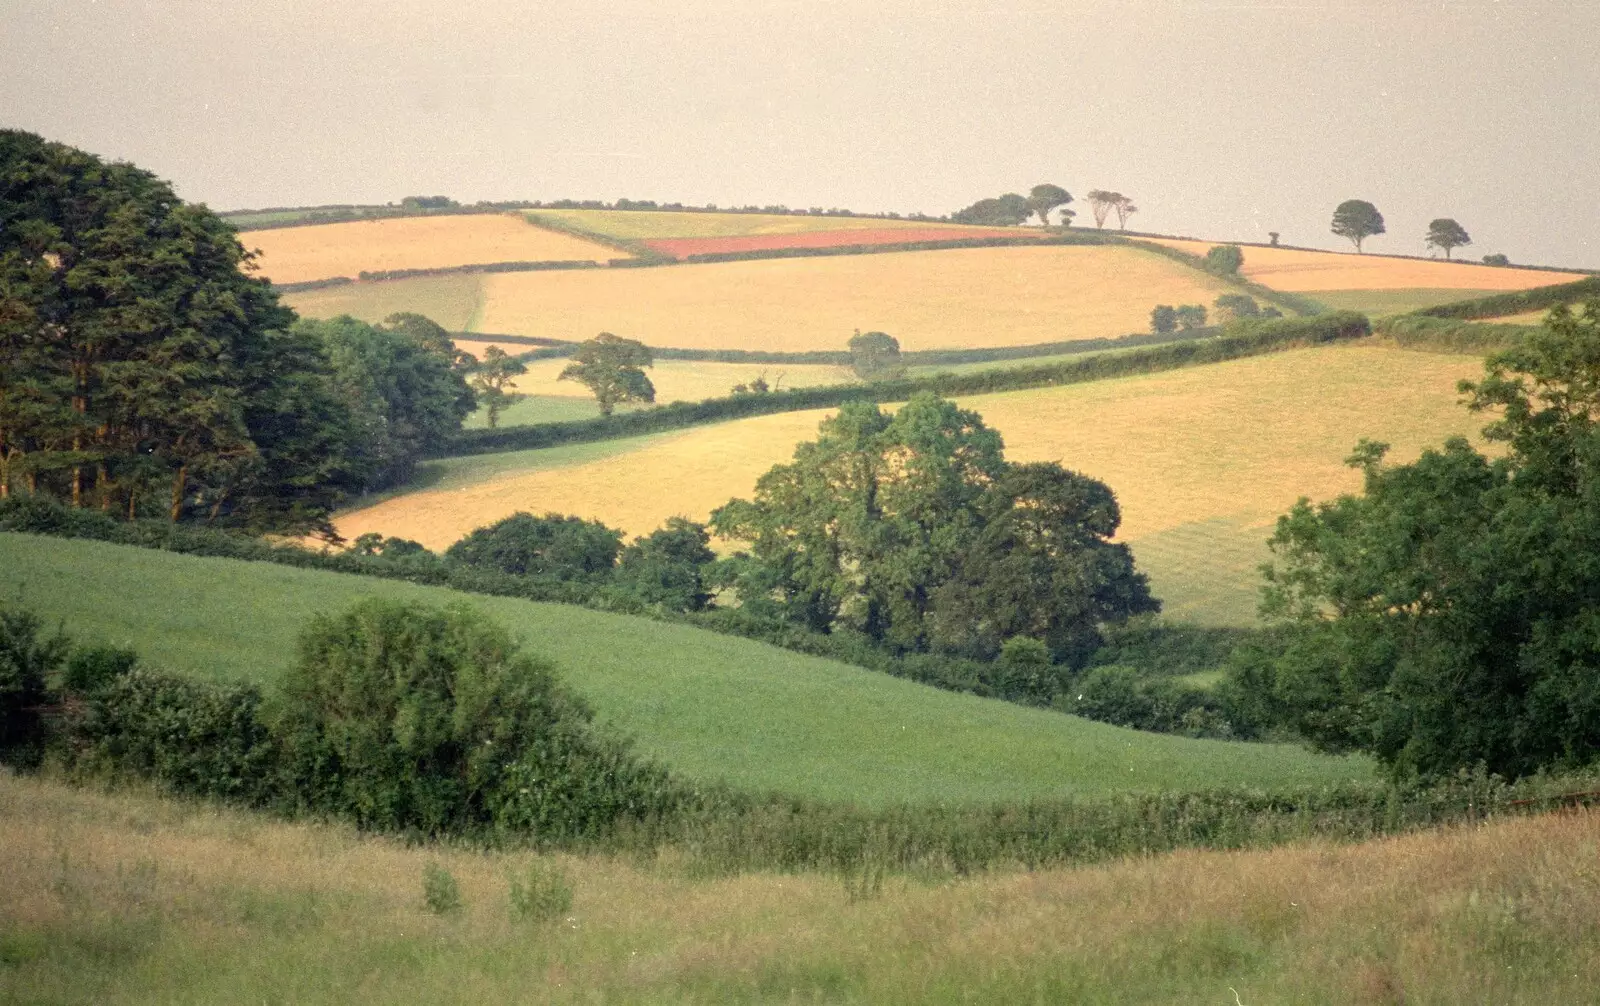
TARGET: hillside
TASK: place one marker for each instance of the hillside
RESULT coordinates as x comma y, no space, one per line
322,251
1202,460
711,706
633,225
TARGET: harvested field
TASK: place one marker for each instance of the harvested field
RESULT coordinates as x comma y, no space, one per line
1203,460
298,254
629,225
684,247
453,301
1295,271
928,300
690,380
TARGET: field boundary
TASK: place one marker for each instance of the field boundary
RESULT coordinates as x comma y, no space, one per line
1515,301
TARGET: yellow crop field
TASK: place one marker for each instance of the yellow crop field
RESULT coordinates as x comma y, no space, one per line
928,300
1203,460
298,254
1295,271
451,300
646,224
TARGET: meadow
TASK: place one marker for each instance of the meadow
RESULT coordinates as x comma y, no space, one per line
712,707
453,301
928,300
1293,270
633,225
128,898
321,251
1200,459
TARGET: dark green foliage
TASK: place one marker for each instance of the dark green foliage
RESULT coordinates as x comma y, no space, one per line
1415,331
1357,220
1190,316
610,366
1044,198
1169,649
1022,238
1225,260
1517,302
414,203
1266,295
491,379
1447,234
875,356
27,659
667,567
380,275
1163,319
1445,617
402,716
1236,307
1264,337
1496,259
91,668
1005,211
552,547
1127,697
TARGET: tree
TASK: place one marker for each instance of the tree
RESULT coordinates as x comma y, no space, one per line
1125,209
1357,220
667,567
1235,306
875,356
1444,618
552,547
1225,260
1005,211
1447,234
1191,316
609,366
1496,259
1044,198
1163,319
1102,202
494,374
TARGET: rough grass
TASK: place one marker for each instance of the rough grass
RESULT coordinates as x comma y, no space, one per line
452,300
1294,271
1382,303
713,707
321,251
627,225
1203,460
968,298
125,898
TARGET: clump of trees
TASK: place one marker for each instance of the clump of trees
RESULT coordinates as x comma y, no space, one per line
1444,618
875,356
1012,209
1357,220
1445,233
1224,260
914,531
1166,319
612,368
1104,203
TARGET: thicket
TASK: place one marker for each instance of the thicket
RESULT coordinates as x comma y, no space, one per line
1244,339
1517,302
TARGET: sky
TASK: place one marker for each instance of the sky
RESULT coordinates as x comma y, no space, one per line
1221,120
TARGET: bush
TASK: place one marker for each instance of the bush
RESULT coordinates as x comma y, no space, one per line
27,658
667,567
403,716
552,547
440,893
1224,260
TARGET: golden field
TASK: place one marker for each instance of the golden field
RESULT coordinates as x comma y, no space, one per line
928,300
647,224
1203,459
321,251
1295,271
130,898
690,380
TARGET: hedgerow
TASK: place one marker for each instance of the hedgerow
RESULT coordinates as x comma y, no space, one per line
1517,302
1450,335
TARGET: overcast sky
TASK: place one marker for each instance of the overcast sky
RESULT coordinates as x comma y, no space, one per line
1223,120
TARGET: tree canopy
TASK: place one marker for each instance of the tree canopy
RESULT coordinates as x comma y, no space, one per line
1044,198
495,373
914,530
875,356
1445,617
1003,211
611,367
1447,234
1357,220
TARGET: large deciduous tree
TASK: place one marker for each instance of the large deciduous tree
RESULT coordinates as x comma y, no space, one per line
1447,234
1357,220
875,356
1044,198
914,530
495,373
612,368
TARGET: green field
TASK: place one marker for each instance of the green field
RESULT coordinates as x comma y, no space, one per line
541,409
710,706
1381,303
454,301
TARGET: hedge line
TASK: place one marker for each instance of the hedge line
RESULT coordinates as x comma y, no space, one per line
1516,302
1449,335
1289,301
313,284
1241,340
478,267
1070,238
640,253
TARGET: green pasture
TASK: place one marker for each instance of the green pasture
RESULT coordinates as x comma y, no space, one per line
453,300
1381,303
711,706
540,409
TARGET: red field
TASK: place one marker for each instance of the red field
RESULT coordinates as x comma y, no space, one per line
684,247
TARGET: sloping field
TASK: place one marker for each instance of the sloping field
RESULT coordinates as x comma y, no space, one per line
711,706
452,300
690,380
1203,460
1295,271
124,898
630,225
321,251
928,300
684,247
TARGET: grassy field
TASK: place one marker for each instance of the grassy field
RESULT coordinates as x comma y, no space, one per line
1381,303
711,706
297,254
1203,460
453,301
927,300
630,225
1294,271
126,898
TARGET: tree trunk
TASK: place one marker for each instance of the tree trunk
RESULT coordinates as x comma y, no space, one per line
102,486
180,482
132,508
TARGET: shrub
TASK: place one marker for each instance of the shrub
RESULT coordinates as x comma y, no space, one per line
541,892
553,547
27,657
404,716
440,893
1163,319
1496,259
1225,260
91,668
667,567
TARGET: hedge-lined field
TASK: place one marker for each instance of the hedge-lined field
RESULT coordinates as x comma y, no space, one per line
1386,303
452,300
927,300
1202,459
297,254
1299,271
634,225
710,706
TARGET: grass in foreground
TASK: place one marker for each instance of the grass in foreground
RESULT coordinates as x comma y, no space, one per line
131,899
709,706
